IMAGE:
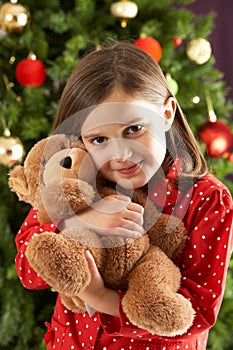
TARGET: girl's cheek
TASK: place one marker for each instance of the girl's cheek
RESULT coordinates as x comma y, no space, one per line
100,158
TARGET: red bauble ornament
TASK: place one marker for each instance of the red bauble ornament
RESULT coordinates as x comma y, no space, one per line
230,157
217,137
177,41
30,72
151,46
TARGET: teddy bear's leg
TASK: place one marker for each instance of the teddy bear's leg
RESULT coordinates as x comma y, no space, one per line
60,261
152,302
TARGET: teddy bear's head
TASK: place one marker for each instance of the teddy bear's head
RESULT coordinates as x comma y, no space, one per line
54,164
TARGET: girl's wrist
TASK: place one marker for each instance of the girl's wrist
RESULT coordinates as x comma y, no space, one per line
104,300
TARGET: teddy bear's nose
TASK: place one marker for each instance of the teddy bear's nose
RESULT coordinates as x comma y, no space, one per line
66,162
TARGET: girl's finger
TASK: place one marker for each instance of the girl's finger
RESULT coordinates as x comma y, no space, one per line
91,263
135,207
134,216
132,226
111,204
126,231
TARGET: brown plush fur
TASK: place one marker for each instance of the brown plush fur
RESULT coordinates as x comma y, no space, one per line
143,267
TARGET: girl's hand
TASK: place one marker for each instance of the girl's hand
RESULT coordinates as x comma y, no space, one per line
96,295
113,215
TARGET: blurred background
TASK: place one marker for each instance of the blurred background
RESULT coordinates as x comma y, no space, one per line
40,43
222,43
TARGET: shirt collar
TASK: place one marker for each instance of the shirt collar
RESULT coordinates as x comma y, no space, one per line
164,193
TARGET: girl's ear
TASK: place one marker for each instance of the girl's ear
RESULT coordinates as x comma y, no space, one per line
169,112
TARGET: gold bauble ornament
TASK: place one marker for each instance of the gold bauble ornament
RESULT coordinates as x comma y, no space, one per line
11,149
124,9
199,50
13,17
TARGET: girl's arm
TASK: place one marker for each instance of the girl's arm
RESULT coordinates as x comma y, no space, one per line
96,295
28,277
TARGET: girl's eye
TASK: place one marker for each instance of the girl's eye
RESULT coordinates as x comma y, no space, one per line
134,129
99,140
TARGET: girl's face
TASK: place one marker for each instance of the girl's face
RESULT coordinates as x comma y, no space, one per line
126,138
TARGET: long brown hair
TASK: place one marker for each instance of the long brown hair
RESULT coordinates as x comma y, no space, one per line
133,71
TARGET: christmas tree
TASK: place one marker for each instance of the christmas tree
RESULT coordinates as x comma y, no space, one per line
41,42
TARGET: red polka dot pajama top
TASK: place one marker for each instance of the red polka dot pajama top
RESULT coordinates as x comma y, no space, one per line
206,210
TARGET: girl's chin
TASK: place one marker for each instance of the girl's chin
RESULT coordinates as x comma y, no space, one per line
131,184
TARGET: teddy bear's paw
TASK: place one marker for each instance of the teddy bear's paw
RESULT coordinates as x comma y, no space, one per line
60,261
73,304
161,315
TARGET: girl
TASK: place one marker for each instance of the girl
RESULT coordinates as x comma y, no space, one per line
137,137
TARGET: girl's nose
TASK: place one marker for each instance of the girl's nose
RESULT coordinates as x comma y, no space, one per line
121,150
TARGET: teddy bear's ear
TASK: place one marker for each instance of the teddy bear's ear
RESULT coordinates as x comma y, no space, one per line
18,182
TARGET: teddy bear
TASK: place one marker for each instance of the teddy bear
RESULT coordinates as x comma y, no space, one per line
59,179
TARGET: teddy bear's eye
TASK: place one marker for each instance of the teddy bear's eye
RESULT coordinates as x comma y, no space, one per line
66,162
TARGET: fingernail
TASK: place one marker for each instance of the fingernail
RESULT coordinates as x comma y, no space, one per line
137,235
88,253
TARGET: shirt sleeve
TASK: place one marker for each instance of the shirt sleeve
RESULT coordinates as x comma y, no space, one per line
28,277
203,265
207,254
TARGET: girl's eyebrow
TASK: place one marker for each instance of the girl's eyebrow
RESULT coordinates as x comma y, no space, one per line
134,120
91,136
97,133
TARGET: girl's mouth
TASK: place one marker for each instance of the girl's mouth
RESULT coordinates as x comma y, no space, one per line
130,170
